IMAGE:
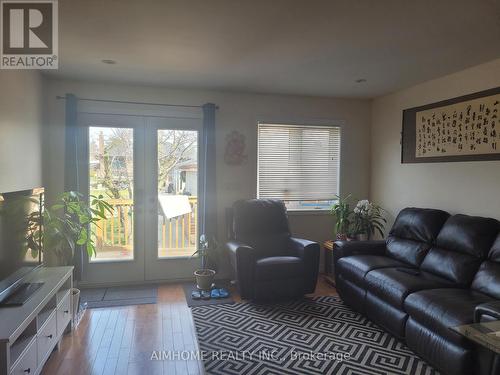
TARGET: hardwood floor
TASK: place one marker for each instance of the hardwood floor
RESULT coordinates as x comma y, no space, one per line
120,340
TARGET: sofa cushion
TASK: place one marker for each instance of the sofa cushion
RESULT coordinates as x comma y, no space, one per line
460,248
410,252
393,285
455,267
440,309
413,232
274,268
354,268
465,234
487,278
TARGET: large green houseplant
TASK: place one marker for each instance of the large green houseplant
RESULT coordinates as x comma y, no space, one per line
68,223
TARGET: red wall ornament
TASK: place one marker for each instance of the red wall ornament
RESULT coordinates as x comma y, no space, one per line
235,148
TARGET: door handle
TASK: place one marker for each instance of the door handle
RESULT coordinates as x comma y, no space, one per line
27,371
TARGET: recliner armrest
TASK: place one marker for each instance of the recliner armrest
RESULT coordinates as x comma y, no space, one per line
490,309
308,251
242,259
303,247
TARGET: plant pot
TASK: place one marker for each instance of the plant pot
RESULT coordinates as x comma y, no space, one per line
341,237
362,237
75,302
204,279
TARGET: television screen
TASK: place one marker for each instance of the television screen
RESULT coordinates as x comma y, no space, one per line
20,234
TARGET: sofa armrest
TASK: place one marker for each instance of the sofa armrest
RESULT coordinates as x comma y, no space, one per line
242,259
348,248
488,310
309,252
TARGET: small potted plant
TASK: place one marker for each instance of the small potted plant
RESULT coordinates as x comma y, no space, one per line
204,275
368,219
342,212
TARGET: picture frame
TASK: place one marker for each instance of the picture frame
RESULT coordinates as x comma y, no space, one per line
465,128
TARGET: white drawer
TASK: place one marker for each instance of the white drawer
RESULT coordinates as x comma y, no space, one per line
27,363
47,338
63,314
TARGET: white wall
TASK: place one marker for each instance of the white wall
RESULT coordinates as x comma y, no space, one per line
20,130
464,187
236,112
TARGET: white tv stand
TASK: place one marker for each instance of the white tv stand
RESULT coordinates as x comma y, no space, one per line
29,333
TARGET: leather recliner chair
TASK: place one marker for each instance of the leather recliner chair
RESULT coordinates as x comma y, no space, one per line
267,262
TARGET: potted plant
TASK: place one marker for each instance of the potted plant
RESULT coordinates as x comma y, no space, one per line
204,275
67,225
368,219
341,210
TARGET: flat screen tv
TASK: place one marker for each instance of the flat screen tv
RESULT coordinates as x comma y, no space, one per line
20,237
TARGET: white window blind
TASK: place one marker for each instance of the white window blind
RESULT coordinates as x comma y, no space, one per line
298,162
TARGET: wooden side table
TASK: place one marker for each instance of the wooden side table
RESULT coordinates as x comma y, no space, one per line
328,249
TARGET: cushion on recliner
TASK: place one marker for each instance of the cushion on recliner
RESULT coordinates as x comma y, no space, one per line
487,279
413,232
393,285
274,268
259,217
354,268
262,224
440,309
460,248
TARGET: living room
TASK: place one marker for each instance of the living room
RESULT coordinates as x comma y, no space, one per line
257,187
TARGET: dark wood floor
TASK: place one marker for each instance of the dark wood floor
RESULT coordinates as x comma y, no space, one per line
120,340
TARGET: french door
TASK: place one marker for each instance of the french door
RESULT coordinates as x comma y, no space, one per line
146,168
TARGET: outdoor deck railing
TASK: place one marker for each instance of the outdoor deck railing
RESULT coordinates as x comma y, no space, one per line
177,236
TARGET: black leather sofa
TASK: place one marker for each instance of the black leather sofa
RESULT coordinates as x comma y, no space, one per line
434,271
267,262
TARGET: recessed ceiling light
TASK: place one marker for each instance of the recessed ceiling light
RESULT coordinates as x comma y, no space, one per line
361,80
108,61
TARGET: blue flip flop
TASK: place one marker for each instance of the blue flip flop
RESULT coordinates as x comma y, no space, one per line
196,295
205,294
215,294
223,293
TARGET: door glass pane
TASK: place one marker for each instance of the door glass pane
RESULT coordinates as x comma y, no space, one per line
177,192
111,174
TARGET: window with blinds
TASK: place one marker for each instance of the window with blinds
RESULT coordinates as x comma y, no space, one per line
298,164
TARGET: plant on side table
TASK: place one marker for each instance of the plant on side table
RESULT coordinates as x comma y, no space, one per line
368,220
341,210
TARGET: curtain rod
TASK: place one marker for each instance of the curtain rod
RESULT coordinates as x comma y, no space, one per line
132,102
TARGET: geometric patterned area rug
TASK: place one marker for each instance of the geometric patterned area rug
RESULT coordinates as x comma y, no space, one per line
317,335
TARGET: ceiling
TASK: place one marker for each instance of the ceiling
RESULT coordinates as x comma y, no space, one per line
305,47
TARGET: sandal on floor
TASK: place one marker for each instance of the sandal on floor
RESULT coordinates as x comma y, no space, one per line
223,293
215,294
195,295
205,294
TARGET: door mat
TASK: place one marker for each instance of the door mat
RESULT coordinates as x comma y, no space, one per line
119,296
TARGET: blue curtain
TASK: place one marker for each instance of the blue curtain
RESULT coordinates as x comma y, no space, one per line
71,164
208,178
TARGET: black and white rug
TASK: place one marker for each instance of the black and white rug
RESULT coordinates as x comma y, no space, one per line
311,336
